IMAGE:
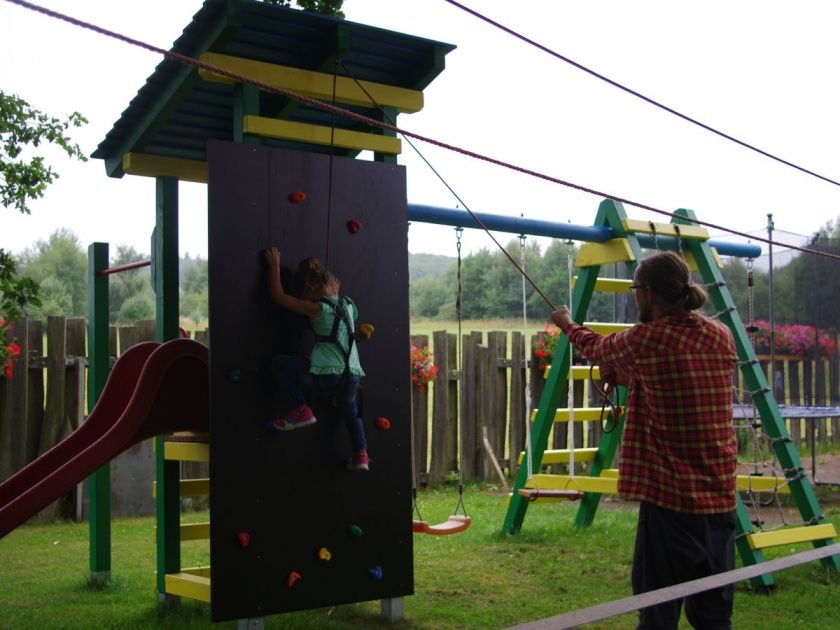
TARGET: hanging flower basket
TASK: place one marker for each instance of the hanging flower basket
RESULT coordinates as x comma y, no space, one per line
423,368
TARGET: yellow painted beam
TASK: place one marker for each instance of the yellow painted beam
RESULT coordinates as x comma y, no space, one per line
200,571
580,372
613,251
600,485
755,483
319,134
606,328
582,414
189,487
562,456
638,226
692,264
791,535
188,585
609,285
149,165
314,84
187,451
191,531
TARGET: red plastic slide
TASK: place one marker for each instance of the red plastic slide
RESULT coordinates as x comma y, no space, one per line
153,389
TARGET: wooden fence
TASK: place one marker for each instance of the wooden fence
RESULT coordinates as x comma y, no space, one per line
489,391
46,400
472,413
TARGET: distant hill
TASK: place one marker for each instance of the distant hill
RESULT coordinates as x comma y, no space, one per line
422,265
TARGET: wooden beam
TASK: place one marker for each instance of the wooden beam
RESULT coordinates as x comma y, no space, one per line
314,84
319,134
637,226
615,250
148,165
188,585
791,535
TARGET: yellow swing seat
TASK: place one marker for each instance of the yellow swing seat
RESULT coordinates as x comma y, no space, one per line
453,525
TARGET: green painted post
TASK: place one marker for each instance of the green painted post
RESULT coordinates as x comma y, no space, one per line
165,266
386,115
99,483
246,101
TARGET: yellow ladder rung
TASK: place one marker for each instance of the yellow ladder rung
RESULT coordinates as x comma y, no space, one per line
757,483
610,285
615,250
579,372
600,485
790,535
582,414
187,451
605,328
562,456
191,531
188,585
638,226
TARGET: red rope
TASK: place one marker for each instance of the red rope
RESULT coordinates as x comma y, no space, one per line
647,99
190,61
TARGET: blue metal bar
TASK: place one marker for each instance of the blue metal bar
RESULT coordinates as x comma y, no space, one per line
533,227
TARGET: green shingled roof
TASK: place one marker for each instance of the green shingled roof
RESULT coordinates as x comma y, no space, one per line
175,112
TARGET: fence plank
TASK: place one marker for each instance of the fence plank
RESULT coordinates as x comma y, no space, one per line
497,343
54,419
13,411
795,399
34,389
820,399
441,433
807,392
834,394
469,402
75,345
485,407
516,411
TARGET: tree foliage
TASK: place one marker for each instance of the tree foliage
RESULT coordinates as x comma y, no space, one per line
61,261
24,178
326,7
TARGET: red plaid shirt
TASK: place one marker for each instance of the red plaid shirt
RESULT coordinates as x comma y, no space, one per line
679,449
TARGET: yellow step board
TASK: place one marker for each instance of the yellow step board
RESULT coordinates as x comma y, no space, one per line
188,585
582,414
562,456
607,483
790,535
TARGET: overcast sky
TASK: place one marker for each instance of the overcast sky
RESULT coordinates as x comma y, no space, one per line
764,72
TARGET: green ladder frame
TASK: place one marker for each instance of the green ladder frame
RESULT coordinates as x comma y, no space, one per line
611,214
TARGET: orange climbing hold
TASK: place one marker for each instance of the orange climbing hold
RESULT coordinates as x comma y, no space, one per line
244,539
366,330
294,576
297,197
354,226
382,423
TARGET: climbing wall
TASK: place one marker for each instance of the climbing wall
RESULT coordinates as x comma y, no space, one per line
291,528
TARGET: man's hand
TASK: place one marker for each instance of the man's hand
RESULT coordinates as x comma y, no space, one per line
562,317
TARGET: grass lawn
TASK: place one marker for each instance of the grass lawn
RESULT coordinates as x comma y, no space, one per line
476,579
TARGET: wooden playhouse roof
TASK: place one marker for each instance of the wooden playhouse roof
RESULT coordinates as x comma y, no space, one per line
175,112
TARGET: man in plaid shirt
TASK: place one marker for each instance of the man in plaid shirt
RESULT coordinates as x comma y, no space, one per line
678,450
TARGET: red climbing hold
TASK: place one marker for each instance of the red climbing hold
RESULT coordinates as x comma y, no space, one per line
294,576
244,539
297,197
354,226
382,423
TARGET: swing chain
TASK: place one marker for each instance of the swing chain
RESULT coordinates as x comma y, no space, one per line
652,226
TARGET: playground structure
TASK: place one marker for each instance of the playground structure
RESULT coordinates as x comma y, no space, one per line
600,479
275,184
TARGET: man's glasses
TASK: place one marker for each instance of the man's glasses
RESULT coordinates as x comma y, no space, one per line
634,287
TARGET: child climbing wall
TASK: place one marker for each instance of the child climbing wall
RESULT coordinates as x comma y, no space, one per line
291,527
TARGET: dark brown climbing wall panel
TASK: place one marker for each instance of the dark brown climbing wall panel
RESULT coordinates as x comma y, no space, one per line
277,499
